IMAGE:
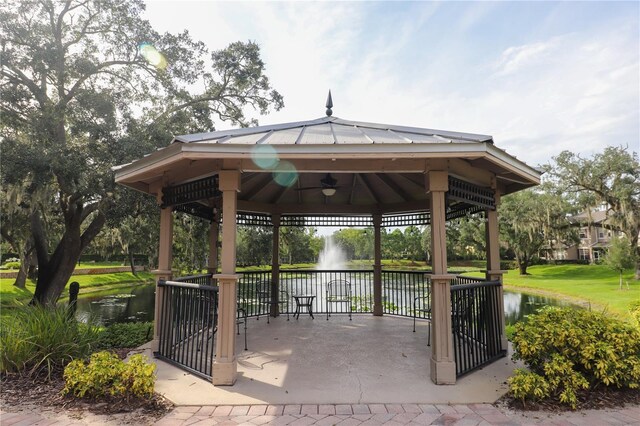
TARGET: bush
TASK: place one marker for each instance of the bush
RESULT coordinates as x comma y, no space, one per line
634,310
36,340
571,349
11,265
107,375
126,335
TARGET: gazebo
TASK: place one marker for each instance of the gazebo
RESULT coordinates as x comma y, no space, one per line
335,172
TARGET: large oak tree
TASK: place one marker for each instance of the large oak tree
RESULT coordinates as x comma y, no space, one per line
89,84
611,178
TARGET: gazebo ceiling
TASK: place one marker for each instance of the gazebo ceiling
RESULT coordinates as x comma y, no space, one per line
377,167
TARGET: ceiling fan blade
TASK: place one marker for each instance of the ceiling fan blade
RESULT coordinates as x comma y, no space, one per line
306,188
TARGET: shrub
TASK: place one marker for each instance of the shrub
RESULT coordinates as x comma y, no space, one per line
11,265
107,375
634,310
571,349
126,335
36,340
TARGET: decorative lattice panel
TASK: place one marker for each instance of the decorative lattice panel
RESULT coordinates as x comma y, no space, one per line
469,193
461,210
417,219
364,221
201,189
253,219
196,209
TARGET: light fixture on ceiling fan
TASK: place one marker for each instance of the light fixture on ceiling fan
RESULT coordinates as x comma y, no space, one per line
327,186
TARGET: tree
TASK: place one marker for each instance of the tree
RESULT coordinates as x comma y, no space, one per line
298,244
521,226
254,245
612,178
557,229
356,243
393,245
620,256
89,84
471,237
413,243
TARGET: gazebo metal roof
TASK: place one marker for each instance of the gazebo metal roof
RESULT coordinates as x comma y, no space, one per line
332,130
378,167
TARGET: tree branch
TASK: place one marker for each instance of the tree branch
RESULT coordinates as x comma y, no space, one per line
92,230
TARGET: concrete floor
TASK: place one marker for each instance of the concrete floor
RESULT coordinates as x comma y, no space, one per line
364,361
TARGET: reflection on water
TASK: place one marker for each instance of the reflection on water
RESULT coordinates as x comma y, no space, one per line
137,304
518,305
128,305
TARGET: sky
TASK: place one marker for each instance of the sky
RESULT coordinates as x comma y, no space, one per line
540,77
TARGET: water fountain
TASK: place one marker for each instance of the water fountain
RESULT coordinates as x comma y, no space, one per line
332,256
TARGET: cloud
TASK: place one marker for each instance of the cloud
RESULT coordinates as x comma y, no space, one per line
517,57
545,92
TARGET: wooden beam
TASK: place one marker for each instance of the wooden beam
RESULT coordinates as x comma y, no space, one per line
248,195
394,186
367,186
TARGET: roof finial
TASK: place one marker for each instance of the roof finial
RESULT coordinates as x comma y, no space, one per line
329,104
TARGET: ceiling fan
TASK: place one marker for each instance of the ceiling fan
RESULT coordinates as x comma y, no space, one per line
327,186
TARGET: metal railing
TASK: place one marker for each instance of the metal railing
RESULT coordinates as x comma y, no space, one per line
400,289
202,279
475,324
460,279
254,291
189,310
187,325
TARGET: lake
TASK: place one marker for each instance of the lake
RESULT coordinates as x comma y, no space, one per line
136,304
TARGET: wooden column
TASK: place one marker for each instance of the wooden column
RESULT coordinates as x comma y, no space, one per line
377,265
443,367
165,252
275,267
212,268
225,366
494,273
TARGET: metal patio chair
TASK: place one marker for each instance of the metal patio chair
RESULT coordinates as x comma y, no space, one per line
422,309
338,292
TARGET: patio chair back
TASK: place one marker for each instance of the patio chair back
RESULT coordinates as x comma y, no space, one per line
338,292
422,309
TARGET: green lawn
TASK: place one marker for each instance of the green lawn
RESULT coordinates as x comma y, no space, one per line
89,265
594,283
10,294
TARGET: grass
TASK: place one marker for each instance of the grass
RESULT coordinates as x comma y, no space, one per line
596,284
9,294
89,265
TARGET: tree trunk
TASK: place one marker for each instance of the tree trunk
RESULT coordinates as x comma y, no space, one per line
132,263
32,270
25,257
54,271
620,280
523,268
21,278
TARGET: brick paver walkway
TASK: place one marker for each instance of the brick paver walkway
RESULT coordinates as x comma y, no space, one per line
361,414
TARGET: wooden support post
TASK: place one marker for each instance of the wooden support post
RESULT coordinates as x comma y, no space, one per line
212,268
494,273
165,254
377,265
225,366
443,367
